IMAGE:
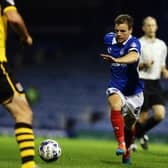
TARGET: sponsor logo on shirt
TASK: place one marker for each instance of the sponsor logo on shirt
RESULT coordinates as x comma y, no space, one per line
133,45
117,65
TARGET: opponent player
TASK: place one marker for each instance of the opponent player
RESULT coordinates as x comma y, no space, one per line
12,96
152,67
125,90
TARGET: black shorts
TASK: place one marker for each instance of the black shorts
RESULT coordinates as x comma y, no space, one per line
153,94
8,84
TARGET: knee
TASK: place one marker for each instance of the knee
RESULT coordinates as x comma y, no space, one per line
159,112
115,102
143,117
159,115
115,105
20,109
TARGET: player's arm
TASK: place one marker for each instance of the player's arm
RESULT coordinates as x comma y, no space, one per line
146,65
131,57
18,25
141,66
164,71
9,10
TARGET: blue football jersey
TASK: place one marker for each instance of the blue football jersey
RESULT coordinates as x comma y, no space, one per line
124,76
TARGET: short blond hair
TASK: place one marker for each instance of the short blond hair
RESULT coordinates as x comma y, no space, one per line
148,18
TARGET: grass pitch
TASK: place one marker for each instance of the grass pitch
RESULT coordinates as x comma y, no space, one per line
78,153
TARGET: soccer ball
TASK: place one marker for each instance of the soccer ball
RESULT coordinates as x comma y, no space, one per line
49,150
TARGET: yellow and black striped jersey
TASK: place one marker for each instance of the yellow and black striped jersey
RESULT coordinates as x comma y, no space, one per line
5,6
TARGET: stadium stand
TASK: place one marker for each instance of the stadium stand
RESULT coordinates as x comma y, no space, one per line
74,90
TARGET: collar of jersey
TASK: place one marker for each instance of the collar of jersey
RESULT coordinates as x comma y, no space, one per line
114,41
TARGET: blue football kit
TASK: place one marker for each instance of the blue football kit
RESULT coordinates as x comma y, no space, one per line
124,77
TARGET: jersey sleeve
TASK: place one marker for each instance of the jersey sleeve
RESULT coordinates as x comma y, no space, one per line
164,53
108,38
7,5
135,46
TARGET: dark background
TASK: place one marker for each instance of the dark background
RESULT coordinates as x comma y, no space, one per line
88,19
67,26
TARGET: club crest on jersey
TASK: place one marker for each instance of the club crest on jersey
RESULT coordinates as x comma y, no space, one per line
109,49
133,45
11,2
19,87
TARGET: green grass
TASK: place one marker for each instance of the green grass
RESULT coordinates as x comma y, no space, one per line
78,153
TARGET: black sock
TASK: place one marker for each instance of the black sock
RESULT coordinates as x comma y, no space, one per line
129,137
140,130
151,122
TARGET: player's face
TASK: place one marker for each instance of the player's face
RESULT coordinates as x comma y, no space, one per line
122,32
150,28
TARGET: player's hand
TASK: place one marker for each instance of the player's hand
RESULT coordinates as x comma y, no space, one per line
148,63
165,74
108,58
27,41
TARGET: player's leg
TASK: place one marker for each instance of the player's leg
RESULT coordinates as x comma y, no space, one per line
144,127
11,99
117,121
145,124
144,114
144,111
129,132
158,116
22,114
140,130
131,112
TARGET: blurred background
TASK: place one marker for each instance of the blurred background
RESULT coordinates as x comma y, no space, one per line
62,73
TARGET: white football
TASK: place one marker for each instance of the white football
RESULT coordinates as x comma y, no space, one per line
49,150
